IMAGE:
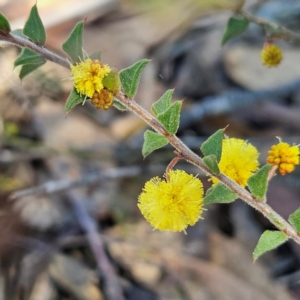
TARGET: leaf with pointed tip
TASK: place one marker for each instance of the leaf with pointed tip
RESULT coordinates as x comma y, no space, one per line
73,99
153,141
211,162
219,193
235,26
258,183
213,145
4,24
28,56
27,69
170,118
294,219
130,77
74,44
34,27
163,103
269,240
117,104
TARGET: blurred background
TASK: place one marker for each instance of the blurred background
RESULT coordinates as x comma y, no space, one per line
66,181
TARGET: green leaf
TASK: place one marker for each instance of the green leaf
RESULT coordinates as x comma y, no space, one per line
28,56
294,219
211,162
4,24
34,27
73,99
27,69
96,55
163,103
153,141
130,77
170,118
269,240
119,105
219,193
213,145
235,26
19,33
258,183
74,43
112,82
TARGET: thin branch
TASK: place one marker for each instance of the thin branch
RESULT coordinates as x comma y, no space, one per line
112,285
280,30
191,157
22,42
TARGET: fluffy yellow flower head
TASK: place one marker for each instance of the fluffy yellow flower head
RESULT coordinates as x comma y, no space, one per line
271,56
284,156
239,160
174,204
88,76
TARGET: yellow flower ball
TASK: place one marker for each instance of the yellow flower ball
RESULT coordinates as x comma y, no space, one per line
271,56
88,76
173,204
284,156
103,99
239,160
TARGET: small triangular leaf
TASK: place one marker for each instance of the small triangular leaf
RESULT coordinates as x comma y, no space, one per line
235,26
96,55
153,141
34,27
4,24
27,69
213,145
212,163
269,240
74,44
162,103
294,219
112,82
19,33
258,183
73,99
170,118
119,105
28,56
130,77
219,193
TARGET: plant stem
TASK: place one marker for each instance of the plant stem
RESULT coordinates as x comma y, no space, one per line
194,159
23,42
281,30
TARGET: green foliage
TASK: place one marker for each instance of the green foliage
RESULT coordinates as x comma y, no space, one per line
34,27
27,69
213,145
74,44
219,193
73,99
4,24
28,56
235,26
152,141
118,105
112,82
96,55
212,163
29,60
163,103
19,33
294,219
130,77
170,117
258,183
269,240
